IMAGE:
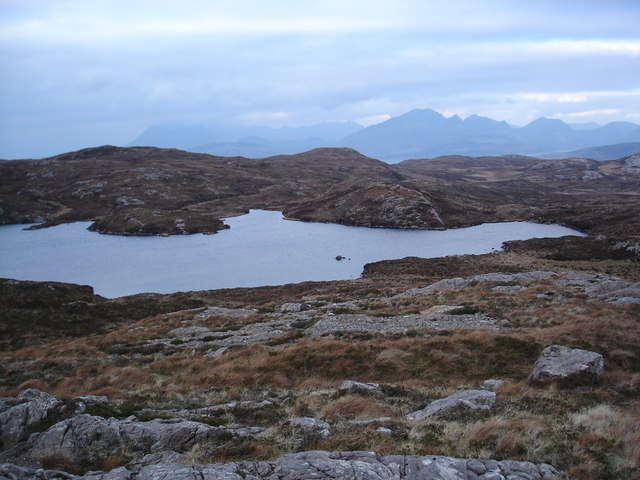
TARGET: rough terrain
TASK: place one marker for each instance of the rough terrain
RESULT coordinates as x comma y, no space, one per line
519,364
145,190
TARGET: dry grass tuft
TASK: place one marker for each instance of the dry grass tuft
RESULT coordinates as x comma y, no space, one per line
607,424
354,407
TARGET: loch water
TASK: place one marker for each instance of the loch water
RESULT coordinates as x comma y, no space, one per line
260,248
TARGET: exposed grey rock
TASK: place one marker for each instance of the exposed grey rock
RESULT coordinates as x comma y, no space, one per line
292,307
370,421
351,386
562,364
88,439
492,384
331,324
602,287
508,279
369,466
93,399
167,456
442,309
508,288
311,424
317,465
225,312
632,165
188,331
384,431
216,353
9,471
175,471
23,413
308,422
262,407
471,400
116,474
626,301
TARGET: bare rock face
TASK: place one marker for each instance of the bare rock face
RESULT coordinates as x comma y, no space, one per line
21,416
571,366
311,425
469,400
317,465
351,386
87,440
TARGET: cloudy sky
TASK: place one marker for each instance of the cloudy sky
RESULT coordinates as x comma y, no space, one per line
78,73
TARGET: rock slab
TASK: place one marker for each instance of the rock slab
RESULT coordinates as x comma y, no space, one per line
318,465
469,400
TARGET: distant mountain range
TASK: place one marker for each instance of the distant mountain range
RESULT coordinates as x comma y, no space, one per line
250,142
416,134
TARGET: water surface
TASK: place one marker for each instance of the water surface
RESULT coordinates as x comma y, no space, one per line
261,248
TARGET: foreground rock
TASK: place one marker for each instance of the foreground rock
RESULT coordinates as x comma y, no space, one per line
566,365
89,440
467,400
31,409
316,465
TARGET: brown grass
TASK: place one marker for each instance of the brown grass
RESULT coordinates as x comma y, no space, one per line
354,407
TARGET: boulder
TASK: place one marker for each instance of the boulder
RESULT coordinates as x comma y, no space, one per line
293,307
466,400
565,365
491,384
311,425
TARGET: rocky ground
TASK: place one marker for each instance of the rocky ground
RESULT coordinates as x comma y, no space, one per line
520,364
146,191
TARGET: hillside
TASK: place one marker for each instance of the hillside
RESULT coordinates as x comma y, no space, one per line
146,190
519,364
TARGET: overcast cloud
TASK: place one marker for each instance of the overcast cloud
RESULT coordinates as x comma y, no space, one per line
78,73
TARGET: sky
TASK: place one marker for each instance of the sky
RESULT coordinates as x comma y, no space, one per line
80,73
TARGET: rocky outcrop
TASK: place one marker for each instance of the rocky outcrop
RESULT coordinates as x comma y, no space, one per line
560,364
266,411
505,279
29,412
602,287
312,425
632,164
317,465
88,440
467,400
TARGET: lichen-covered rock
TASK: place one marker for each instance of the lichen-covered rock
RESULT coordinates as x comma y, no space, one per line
311,424
317,465
470,400
508,279
9,471
22,415
566,365
88,440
